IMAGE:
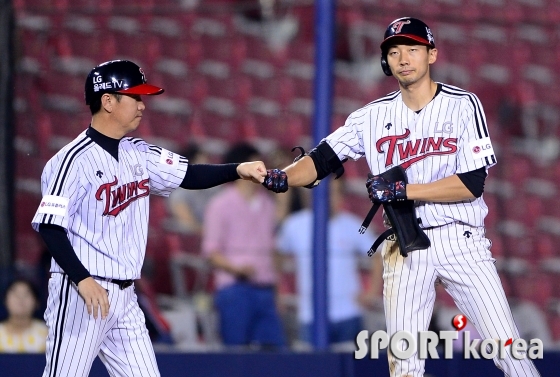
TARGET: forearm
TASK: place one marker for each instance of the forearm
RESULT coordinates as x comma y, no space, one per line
301,172
203,176
219,261
449,189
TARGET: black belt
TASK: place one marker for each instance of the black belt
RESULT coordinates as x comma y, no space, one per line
121,283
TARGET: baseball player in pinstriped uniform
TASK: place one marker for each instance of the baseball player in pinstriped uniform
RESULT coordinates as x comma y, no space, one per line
94,219
438,133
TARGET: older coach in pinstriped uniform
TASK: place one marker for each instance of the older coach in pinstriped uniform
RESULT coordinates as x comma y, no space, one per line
94,219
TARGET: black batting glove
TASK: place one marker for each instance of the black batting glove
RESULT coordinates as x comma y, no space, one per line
381,190
276,180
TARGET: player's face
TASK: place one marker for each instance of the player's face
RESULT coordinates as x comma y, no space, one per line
128,112
410,63
20,301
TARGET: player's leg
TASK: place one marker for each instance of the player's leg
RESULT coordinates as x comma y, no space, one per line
127,349
267,327
234,308
409,295
74,336
469,275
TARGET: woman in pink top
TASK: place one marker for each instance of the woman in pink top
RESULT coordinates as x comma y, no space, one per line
238,238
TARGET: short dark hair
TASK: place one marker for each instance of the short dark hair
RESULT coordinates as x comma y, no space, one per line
29,284
95,103
240,152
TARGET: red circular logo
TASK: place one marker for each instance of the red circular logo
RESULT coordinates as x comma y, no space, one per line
476,149
42,204
169,161
459,322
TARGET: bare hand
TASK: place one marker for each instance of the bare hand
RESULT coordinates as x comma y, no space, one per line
95,296
254,171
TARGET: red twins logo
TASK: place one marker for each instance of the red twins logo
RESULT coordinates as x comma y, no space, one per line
397,26
117,198
169,161
409,152
476,149
42,204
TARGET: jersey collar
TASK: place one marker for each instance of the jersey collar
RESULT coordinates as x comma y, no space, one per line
109,144
435,95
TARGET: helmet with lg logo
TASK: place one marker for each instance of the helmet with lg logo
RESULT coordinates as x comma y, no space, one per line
118,76
408,28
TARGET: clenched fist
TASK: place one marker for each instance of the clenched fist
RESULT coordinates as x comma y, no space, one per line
254,171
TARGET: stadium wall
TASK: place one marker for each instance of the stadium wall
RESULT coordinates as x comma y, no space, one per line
280,365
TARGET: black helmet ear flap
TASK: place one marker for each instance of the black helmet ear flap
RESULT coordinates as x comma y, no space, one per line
385,65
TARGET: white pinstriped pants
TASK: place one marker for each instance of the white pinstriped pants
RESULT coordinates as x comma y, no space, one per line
75,338
466,269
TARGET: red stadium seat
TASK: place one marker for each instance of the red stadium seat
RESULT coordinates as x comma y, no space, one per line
68,124
280,89
105,6
554,324
546,246
231,50
28,242
536,288
260,50
169,129
218,126
492,202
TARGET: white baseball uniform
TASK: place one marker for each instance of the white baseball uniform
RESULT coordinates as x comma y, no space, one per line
448,136
104,206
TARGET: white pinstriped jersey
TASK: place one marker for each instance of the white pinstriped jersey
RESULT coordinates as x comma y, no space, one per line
104,203
448,136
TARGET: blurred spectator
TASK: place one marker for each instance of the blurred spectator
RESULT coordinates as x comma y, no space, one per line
238,238
531,322
21,332
346,297
188,206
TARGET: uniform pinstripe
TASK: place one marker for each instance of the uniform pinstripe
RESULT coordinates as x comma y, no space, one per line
448,136
104,206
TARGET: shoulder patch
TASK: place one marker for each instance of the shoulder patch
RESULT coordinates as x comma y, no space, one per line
168,158
481,148
54,205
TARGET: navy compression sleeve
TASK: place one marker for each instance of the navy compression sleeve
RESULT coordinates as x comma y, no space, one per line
62,251
203,176
474,181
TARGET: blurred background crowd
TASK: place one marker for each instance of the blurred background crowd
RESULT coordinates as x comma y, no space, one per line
231,267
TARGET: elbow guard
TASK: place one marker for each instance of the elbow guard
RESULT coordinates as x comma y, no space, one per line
325,161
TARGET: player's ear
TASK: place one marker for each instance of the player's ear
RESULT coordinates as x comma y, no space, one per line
107,102
432,55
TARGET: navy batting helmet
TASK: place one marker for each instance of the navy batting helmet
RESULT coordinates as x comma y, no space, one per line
405,27
118,76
